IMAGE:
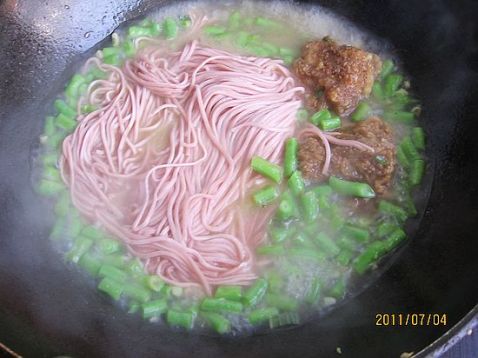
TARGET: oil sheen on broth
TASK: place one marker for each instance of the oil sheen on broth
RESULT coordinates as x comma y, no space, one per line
321,186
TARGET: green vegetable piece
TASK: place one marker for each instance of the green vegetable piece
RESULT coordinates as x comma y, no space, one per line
95,73
275,250
265,22
129,49
87,108
52,142
181,319
387,68
281,302
262,314
274,281
344,258
177,291
73,88
327,244
112,272
137,293
418,138
254,294
338,289
166,290
350,188
51,173
330,124
80,247
112,60
402,158
357,233
62,206
307,254
361,113
284,319
118,260
387,208
111,51
257,50
232,293
302,239
64,109
146,22
138,31
279,234
310,206
284,51
156,29
266,196
58,229
313,292
318,117
417,171
271,50
49,127
377,91
322,190
345,243
66,123
288,60
391,84
220,305
371,254
92,232
154,283
400,116
134,307
218,322
154,308
111,287
75,227
394,239
287,207
170,28
296,183
385,228
267,169
290,156
214,30
302,115
50,160
234,21
242,39
90,264
409,149
108,246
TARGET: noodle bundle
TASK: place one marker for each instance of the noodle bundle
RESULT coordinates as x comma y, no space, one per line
163,164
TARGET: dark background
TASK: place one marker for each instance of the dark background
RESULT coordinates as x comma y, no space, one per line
47,308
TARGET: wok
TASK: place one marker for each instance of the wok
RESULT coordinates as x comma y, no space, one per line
48,309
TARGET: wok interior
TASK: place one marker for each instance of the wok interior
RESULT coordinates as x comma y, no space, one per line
433,273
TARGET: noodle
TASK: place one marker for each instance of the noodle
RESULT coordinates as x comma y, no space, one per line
164,162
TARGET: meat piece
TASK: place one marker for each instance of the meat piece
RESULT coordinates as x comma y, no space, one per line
345,74
353,164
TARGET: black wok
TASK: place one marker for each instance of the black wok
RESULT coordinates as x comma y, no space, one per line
47,308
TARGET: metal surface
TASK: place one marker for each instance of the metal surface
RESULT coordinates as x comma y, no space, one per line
47,309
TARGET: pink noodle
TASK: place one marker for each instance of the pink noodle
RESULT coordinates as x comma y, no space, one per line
164,164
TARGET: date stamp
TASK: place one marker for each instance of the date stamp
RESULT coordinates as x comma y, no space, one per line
411,319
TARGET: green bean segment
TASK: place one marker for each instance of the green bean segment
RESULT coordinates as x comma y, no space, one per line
344,187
